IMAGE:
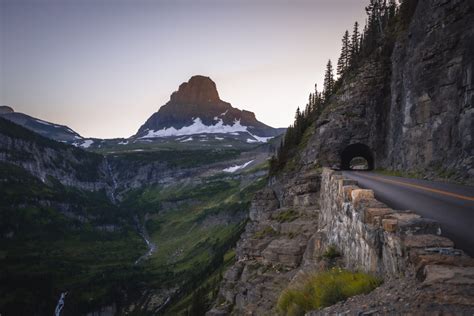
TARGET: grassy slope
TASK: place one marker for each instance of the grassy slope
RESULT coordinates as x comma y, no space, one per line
50,253
47,252
44,252
189,248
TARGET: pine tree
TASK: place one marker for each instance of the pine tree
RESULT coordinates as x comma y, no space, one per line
340,65
374,11
328,81
343,62
355,44
316,99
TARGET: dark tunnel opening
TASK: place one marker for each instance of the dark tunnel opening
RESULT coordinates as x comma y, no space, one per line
355,154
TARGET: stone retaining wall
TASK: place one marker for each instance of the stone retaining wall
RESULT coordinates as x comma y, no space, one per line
375,238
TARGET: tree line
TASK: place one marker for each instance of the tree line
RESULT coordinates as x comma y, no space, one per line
384,18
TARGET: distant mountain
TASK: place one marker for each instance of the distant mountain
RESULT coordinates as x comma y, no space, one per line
194,118
47,129
196,109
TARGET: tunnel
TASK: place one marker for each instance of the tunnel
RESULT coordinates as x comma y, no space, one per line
357,151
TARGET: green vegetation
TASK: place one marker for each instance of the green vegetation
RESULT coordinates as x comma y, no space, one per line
324,289
55,238
331,252
194,226
176,158
286,216
201,299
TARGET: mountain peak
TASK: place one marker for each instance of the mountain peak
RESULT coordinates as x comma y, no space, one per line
197,109
198,90
5,109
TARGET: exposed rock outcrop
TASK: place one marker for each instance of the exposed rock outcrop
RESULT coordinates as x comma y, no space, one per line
412,104
198,90
4,109
288,236
198,98
45,158
277,245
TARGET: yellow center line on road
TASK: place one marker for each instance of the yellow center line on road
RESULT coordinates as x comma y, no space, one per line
421,187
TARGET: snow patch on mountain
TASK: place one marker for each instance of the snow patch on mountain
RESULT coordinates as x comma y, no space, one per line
259,139
236,168
87,143
198,128
190,139
44,123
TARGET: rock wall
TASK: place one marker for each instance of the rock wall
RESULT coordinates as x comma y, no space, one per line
377,239
278,244
69,165
411,102
294,223
431,110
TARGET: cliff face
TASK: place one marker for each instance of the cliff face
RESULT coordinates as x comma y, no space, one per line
280,243
431,112
409,107
198,98
45,158
412,108
289,236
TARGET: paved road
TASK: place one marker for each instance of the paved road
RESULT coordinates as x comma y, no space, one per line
451,205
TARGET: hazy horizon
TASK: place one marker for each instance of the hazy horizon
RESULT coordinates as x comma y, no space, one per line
104,67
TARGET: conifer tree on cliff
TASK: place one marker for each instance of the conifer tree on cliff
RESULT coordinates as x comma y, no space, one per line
343,62
355,44
328,81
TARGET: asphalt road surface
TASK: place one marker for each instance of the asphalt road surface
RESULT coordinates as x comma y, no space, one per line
450,204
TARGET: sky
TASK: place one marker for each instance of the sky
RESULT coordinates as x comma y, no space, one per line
102,67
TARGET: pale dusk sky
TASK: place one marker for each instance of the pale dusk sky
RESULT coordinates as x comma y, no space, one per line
103,67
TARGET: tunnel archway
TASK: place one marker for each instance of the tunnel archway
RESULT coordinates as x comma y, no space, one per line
356,151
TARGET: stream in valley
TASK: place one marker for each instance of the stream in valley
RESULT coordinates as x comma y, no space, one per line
151,245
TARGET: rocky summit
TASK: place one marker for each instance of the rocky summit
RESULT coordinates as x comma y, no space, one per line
197,108
4,109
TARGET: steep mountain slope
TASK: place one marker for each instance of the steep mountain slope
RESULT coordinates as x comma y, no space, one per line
79,222
46,158
50,130
56,239
410,104
197,109
406,107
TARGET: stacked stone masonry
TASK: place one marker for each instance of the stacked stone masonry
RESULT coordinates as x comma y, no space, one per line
377,239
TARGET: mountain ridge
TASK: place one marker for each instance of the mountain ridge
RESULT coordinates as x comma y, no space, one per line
196,99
